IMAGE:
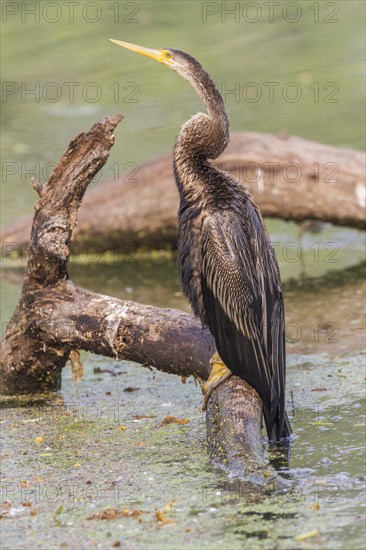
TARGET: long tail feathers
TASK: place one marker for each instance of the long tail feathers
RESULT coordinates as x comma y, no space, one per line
278,428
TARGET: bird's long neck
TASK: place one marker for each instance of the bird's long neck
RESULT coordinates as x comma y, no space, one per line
202,137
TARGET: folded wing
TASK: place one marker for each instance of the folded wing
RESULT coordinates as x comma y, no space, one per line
244,307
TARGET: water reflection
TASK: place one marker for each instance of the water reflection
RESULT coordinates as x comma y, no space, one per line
323,313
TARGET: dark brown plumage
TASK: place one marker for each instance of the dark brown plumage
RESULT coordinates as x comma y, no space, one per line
228,268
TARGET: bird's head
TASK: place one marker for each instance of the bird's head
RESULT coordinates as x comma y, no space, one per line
181,62
215,127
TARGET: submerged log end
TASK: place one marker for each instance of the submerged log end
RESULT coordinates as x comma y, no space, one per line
26,368
233,429
235,441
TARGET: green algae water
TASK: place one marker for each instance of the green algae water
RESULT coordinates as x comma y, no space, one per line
101,445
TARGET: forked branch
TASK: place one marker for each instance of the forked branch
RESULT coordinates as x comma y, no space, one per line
55,318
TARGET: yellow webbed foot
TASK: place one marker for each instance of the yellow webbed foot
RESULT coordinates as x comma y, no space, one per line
218,374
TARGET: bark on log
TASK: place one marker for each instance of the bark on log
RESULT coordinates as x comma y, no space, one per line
289,177
55,318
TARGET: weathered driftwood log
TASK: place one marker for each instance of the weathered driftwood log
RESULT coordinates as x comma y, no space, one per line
290,178
55,318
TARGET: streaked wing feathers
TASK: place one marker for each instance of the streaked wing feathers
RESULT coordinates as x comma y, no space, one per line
244,305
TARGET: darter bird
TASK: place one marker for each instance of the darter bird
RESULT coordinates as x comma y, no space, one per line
228,267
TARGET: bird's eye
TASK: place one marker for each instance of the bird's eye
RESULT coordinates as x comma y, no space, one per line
168,54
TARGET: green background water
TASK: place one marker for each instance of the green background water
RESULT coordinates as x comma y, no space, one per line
324,299
78,76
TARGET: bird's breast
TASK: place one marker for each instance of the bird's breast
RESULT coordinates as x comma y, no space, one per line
190,256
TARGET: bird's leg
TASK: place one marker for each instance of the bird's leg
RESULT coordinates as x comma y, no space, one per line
218,374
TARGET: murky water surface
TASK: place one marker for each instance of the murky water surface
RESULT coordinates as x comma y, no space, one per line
100,443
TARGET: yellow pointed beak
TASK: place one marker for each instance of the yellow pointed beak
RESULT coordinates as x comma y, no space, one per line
158,55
